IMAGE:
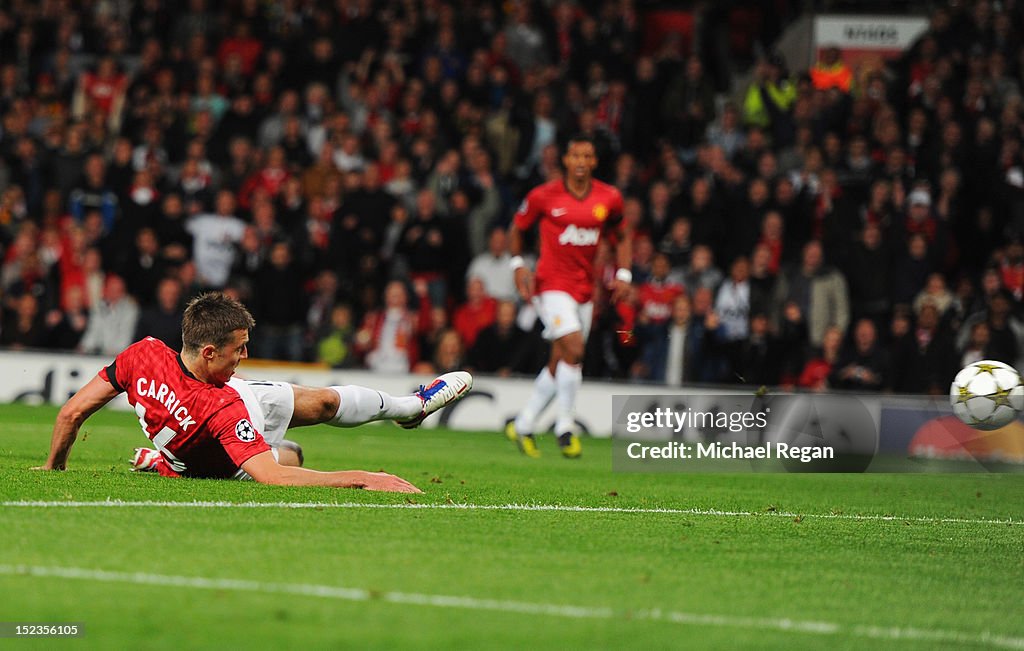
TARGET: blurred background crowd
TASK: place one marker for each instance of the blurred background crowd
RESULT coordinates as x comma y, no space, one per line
348,169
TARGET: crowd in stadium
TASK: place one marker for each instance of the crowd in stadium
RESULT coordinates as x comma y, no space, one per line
348,170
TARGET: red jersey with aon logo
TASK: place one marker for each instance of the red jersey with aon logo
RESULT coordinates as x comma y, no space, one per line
570,229
201,429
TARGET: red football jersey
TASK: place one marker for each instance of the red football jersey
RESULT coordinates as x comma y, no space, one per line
202,430
656,298
570,228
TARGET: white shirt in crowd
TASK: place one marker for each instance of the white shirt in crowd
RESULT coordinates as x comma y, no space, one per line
496,274
111,327
733,308
388,357
215,237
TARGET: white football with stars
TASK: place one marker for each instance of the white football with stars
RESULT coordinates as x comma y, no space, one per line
987,395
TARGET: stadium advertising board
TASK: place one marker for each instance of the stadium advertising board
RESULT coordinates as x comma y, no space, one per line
860,37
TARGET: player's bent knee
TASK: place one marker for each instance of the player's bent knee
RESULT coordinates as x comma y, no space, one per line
329,402
573,356
289,453
571,350
314,405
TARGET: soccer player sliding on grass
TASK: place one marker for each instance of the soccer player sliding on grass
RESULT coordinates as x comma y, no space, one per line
573,214
205,423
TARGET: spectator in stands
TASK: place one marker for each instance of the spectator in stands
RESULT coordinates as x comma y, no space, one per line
659,211
715,362
689,104
732,302
830,71
112,321
818,290
66,324
727,132
321,303
706,214
144,268
756,358
478,312
314,179
671,352
657,294
278,306
23,326
493,267
424,243
93,193
977,347
387,337
501,347
1006,331
215,236
815,373
677,244
336,347
267,181
752,224
910,273
702,272
769,99
448,355
170,230
488,202
926,365
101,92
68,160
525,40
936,293
863,365
762,280
867,269
162,320
1011,268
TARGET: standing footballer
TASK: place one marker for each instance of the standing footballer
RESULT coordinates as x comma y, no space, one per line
573,215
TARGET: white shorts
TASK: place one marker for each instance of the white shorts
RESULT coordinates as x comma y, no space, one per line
270,406
562,315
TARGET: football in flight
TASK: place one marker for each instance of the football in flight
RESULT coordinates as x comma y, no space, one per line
987,395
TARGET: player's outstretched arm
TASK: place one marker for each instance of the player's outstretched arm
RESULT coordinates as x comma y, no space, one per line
75,411
266,470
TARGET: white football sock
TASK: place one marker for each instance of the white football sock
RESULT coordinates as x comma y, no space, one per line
359,405
568,378
543,392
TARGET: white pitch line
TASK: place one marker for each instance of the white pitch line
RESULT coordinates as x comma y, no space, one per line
109,503
518,607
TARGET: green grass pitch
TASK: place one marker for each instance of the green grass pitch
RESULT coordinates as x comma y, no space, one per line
790,565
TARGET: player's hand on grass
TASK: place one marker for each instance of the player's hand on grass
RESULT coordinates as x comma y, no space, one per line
382,481
524,283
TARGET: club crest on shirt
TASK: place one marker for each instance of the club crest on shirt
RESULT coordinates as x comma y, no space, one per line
600,212
245,431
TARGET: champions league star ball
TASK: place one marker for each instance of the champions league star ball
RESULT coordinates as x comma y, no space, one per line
987,395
